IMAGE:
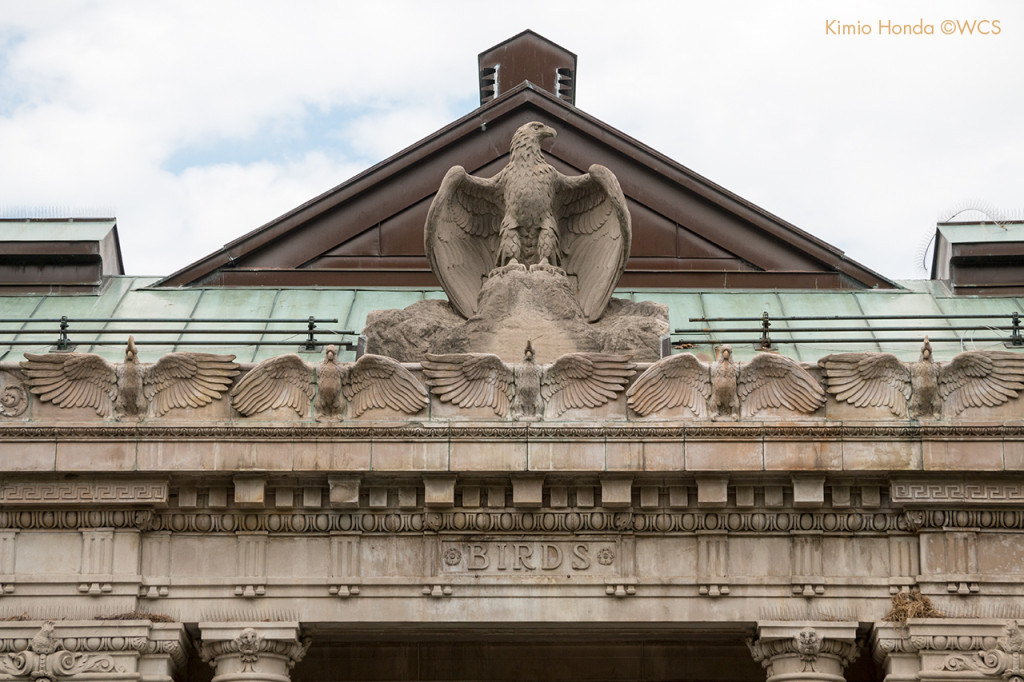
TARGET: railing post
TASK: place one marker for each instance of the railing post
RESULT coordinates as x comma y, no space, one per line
766,341
63,343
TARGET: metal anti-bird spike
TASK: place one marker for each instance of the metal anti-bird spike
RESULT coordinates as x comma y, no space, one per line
976,378
573,381
176,380
373,381
529,214
721,388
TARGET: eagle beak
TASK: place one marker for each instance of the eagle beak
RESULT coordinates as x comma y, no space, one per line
547,132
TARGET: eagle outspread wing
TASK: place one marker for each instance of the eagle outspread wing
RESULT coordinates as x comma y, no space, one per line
594,235
578,380
670,382
471,380
461,234
72,380
868,380
188,380
281,381
379,381
979,378
777,381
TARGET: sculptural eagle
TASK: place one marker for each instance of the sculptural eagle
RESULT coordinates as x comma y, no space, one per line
974,378
573,381
767,381
176,380
529,214
372,381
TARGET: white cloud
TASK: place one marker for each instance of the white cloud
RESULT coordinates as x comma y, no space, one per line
859,140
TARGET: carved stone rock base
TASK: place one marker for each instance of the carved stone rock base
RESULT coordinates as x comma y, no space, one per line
516,306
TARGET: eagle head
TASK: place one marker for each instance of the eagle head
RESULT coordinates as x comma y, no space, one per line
331,352
926,350
528,353
131,353
531,134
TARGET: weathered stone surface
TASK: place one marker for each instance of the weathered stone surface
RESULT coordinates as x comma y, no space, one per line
517,306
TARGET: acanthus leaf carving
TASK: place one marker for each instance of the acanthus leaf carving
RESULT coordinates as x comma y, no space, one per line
1005,660
45,659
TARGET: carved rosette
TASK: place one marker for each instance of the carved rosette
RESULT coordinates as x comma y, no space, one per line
263,652
808,652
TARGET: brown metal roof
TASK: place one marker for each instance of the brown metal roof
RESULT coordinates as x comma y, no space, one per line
687,230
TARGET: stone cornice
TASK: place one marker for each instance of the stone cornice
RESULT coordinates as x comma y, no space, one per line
468,430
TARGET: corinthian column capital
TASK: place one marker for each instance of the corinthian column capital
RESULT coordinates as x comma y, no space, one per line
252,652
805,652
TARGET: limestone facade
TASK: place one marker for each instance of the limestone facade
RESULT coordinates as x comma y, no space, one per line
215,546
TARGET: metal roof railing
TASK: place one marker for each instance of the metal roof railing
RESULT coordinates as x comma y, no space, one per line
762,333
63,331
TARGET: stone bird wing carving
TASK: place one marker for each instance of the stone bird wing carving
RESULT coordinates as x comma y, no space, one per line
670,382
280,381
529,214
579,380
471,380
461,234
594,235
868,380
379,381
979,378
777,381
72,380
187,380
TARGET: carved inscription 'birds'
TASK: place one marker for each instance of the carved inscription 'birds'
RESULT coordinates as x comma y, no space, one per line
529,214
575,380
721,388
176,380
372,381
975,378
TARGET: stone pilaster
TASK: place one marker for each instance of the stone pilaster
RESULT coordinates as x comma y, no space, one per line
73,650
805,652
950,649
252,652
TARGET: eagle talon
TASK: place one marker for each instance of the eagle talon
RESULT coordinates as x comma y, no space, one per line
547,267
512,266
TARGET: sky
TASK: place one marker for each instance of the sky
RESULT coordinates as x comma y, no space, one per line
196,122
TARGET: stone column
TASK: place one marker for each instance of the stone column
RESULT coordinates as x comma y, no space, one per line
950,650
805,652
252,652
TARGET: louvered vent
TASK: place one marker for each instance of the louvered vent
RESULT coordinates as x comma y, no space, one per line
565,85
527,57
488,83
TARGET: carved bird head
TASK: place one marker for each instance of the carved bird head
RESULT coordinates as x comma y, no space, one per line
528,353
926,350
531,134
332,353
131,353
725,353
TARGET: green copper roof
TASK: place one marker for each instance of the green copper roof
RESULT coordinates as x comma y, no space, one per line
133,297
